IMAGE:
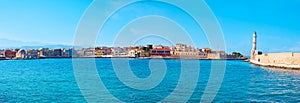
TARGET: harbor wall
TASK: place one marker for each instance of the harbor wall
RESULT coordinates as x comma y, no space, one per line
286,60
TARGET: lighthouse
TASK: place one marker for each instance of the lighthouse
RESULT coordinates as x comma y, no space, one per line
253,46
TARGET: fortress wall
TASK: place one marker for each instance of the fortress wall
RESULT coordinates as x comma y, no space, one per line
279,58
297,58
297,55
290,54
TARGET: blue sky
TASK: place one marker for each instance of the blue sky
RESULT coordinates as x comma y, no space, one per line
55,21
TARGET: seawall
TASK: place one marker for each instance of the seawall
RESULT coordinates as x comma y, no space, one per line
286,66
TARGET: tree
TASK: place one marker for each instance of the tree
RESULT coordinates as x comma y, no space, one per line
147,51
237,54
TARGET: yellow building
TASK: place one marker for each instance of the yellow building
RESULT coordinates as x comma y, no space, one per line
99,53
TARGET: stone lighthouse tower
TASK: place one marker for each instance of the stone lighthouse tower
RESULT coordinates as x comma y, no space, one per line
253,46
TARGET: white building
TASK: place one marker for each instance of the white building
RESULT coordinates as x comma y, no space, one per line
119,52
132,53
21,54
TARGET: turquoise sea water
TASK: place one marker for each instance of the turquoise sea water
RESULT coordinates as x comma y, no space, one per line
53,80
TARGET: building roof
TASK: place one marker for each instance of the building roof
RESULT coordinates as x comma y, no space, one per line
164,48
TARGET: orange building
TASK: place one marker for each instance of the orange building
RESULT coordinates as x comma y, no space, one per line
207,50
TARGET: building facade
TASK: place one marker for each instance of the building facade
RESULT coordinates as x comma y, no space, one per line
21,54
57,53
182,50
10,54
32,54
161,51
119,52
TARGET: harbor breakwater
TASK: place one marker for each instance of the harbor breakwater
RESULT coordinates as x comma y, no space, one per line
281,60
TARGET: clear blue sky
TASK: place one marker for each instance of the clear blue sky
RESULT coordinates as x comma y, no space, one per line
55,21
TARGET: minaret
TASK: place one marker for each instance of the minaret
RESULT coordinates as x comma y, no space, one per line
253,46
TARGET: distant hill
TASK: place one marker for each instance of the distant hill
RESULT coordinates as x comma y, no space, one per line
6,43
46,46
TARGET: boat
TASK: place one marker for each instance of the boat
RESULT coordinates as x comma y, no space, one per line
247,60
2,57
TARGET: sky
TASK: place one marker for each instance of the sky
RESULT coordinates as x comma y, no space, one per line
41,22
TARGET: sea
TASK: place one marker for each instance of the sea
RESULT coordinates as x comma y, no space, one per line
81,80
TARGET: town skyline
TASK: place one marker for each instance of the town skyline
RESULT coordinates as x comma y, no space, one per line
62,47
25,26
178,51
185,51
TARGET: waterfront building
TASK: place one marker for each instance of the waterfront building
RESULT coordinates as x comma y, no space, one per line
206,50
32,54
2,55
89,52
142,53
57,53
136,51
161,51
99,53
216,55
184,51
73,52
10,54
190,52
103,52
68,52
65,53
180,47
49,53
44,52
202,55
132,54
21,54
119,52
80,53
107,51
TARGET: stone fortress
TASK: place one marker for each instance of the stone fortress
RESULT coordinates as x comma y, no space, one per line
289,60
